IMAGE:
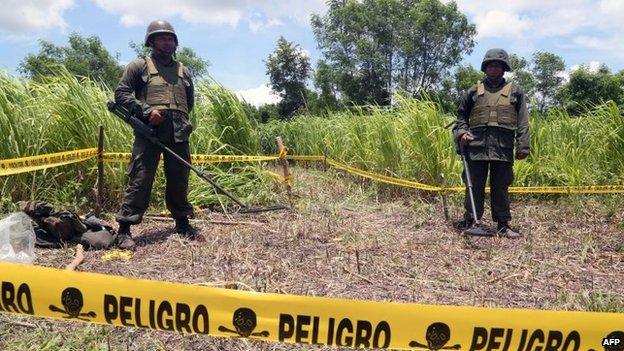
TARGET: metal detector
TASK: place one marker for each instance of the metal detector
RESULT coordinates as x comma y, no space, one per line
476,229
148,133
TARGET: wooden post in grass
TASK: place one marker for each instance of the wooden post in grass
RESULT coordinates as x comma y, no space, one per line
444,197
281,151
100,173
325,158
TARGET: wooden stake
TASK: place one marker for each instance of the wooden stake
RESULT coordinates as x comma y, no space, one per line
284,162
444,197
100,173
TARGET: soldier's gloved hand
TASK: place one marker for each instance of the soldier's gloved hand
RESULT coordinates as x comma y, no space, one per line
521,155
155,118
466,138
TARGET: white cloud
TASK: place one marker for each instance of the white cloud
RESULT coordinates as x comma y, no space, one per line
258,96
257,26
534,19
591,25
593,66
213,12
24,17
501,24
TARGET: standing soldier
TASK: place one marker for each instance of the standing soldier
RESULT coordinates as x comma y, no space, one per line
160,89
492,117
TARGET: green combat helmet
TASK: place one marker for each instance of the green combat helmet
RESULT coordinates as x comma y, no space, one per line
159,26
496,55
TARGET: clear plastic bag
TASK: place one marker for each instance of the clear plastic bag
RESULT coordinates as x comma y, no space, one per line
17,238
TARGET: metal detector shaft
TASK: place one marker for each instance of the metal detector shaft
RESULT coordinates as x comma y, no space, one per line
469,183
148,133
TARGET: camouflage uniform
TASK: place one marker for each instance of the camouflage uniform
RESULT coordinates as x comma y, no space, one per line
500,122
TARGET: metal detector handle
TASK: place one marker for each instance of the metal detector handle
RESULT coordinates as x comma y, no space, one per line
462,149
147,132
143,129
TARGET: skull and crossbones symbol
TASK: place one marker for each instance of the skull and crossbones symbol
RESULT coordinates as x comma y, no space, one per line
438,334
72,301
244,321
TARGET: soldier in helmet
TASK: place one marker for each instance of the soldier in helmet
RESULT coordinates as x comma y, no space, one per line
160,90
493,119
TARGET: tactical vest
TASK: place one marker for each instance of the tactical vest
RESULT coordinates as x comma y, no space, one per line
162,95
493,109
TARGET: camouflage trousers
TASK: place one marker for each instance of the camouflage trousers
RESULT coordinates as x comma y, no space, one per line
141,173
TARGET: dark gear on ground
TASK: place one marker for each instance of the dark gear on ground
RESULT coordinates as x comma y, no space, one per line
54,229
496,55
497,119
159,26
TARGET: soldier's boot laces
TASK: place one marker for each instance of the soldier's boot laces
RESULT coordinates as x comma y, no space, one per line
505,231
124,238
184,228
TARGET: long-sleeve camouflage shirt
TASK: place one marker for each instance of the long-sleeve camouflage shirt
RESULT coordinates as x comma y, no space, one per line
131,93
494,143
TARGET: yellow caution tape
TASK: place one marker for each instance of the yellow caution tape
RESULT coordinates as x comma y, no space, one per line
279,177
283,153
286,180
125,157
305,157
183,308
229,158
383,178
117,156
34,163
590,189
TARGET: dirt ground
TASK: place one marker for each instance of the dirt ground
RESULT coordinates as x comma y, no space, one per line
349,238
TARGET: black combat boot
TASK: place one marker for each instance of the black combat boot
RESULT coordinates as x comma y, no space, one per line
504,230
184,228
464,224
124,237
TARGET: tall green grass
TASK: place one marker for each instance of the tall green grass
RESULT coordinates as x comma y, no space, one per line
63,113
411,141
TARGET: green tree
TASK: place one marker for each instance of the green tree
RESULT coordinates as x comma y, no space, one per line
451,89
196,64
547,71
373,47
324,81
587,88
466,77
521,75
288,68
84,57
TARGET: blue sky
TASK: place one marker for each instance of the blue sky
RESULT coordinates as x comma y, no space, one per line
237,35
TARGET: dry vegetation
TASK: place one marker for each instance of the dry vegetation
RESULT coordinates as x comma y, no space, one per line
572,257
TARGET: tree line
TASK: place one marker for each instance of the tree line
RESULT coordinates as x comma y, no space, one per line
370,50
